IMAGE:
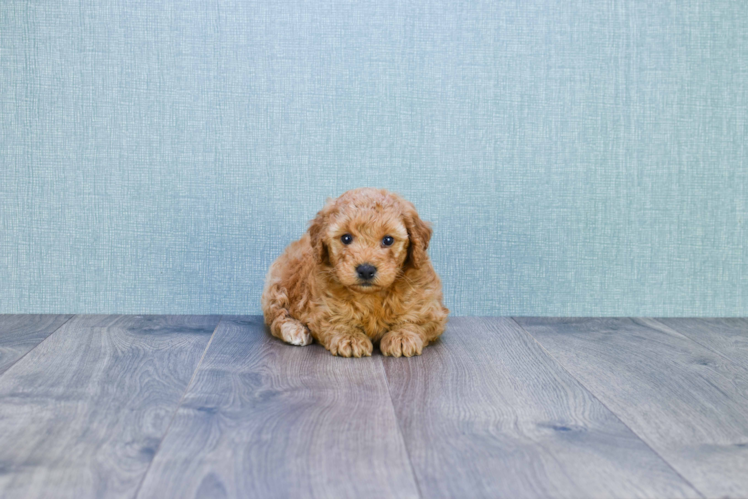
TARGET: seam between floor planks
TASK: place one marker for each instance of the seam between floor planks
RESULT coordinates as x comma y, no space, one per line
563,366
181,400
400,430
37,345
680,331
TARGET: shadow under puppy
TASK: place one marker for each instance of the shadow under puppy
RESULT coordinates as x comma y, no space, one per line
360,274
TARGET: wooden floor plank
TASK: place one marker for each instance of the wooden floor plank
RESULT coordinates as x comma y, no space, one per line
485,412
727,336
83,413
266,419
687,402
19,333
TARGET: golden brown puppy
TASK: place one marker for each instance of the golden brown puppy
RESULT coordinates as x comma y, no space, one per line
360,274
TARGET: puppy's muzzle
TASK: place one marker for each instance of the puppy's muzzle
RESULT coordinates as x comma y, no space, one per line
366,271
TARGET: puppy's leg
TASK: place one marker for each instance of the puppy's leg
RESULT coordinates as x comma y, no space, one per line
409,339
346,341
291,331
282,324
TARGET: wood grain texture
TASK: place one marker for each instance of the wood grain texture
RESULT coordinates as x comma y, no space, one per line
83,413
485,412
687,402
19,333
266,419
727,336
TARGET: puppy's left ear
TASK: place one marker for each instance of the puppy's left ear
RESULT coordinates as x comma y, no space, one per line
419,234
317,229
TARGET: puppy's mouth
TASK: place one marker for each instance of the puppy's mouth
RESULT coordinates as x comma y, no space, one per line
365,286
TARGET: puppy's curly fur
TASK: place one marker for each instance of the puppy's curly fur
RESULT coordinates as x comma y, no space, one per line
314,290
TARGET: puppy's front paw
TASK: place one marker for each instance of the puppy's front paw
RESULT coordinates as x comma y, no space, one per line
350,344
401,343
295,333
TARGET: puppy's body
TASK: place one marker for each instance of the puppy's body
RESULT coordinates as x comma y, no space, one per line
315,288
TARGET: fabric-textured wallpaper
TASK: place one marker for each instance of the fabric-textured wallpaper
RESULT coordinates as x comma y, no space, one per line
574,157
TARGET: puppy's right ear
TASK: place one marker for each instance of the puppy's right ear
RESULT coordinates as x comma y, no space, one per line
317,230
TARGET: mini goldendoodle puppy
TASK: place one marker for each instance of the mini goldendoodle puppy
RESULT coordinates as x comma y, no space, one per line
360,274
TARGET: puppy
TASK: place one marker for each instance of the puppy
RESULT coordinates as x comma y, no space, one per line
360,274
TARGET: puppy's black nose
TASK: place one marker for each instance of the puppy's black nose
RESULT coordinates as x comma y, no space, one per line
366,271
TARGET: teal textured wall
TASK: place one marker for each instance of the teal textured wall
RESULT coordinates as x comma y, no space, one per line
575,157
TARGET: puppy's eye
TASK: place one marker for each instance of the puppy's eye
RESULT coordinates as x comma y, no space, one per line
346,239
388,240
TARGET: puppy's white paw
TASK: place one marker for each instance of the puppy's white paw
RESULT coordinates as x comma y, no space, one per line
295,333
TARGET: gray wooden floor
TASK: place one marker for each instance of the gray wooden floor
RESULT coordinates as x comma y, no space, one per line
208,406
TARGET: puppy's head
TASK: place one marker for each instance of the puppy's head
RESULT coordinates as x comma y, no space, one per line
367,237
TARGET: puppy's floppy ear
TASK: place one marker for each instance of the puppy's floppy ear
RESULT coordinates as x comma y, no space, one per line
419,234
317,229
